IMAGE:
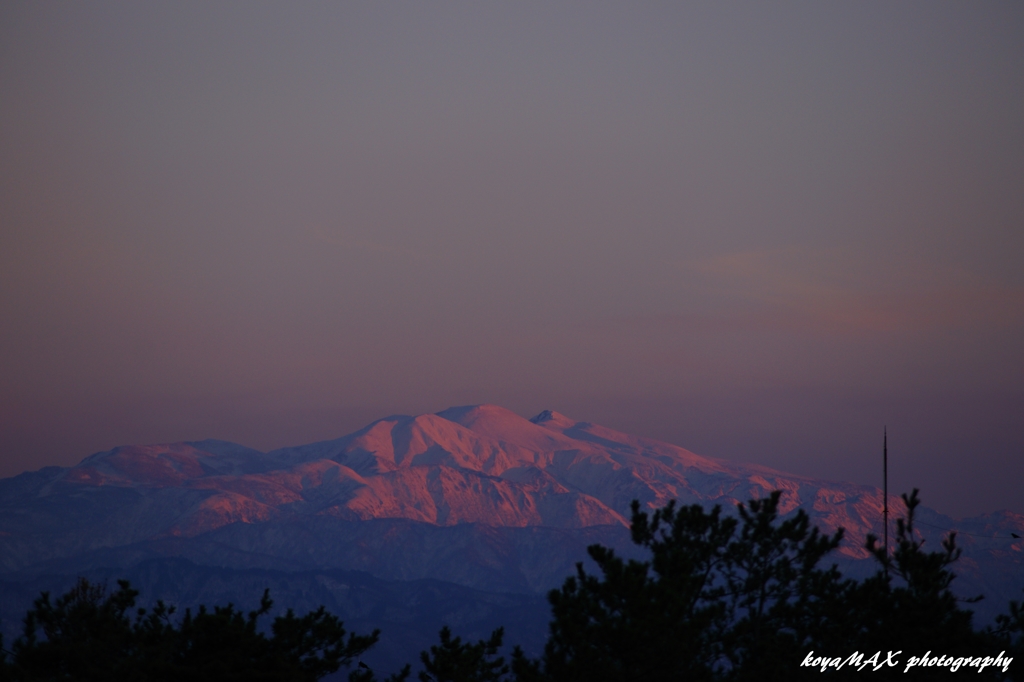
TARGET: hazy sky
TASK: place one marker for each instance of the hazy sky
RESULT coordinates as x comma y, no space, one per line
761,231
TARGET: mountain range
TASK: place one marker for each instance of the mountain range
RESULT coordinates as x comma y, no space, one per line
477,499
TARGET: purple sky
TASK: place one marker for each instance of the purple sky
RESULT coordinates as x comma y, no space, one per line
759,231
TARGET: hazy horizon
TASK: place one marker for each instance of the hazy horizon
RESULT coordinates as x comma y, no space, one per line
759,232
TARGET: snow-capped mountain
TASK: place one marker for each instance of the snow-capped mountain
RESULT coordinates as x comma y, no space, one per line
473,495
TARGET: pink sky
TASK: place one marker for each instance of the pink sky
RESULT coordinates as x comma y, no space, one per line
759,232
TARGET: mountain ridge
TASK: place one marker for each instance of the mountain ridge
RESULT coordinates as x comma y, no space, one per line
518,498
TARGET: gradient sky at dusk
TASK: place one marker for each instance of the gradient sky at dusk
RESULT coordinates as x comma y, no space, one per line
760,231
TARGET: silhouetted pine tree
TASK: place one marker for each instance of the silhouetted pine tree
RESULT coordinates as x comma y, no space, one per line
1009,632
89,635
744,599
720,598
910,607
455,661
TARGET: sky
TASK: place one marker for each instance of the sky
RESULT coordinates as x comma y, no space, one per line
761,231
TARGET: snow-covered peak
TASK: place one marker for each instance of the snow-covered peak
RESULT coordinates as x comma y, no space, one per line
550,418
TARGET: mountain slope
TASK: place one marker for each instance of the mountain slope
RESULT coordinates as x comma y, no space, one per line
476,495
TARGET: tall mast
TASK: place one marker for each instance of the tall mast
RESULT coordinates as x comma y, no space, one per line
885,494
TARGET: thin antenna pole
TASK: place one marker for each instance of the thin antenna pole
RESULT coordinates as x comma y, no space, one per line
885,493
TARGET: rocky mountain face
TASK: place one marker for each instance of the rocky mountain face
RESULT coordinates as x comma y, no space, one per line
475,496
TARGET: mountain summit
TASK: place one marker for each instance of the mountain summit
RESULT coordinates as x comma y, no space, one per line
474,494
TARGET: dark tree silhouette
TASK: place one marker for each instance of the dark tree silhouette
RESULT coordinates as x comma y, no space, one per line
910,607
745,598
720,597
455,661
90,635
